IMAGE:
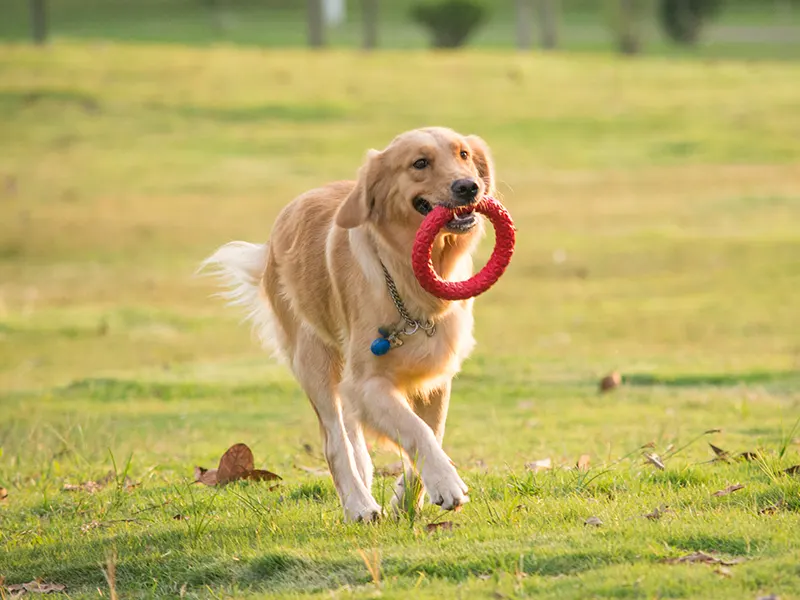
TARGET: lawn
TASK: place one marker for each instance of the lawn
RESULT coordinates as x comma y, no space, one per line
658,209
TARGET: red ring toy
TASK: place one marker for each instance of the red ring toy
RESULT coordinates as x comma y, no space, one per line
505,236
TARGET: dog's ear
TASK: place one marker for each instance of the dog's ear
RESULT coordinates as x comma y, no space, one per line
482,158
356,208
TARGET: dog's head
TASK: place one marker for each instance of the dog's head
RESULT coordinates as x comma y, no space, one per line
418,170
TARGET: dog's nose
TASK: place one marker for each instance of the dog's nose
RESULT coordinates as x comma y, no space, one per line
465,189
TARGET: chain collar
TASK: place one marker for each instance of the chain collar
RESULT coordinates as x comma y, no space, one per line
393,338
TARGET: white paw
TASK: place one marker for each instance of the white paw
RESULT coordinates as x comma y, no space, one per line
365,511
445,488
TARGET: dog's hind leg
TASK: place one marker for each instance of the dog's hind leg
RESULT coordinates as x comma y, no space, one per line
317,369
431,407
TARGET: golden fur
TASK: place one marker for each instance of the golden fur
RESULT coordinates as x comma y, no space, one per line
317,294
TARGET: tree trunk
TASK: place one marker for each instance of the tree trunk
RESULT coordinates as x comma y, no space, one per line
370,17
548,23
524,36
629,39
39,21
316,24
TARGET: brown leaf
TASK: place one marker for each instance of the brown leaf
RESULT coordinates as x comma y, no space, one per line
729,490
748,456
205,476
441,526
180,517
772,508
235,464
720,453
655,460
3,493
261,475
583,462
610,381
393,470
793,470
89,486
593,521
657,513
540,465
709,431
37,587
723,571
702,557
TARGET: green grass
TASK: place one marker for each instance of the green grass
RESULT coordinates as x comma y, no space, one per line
657,204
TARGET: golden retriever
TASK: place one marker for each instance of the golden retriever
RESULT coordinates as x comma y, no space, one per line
319,291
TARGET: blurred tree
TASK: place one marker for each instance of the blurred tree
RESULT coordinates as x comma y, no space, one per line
450,22
523,19
683,20
316,24
370,16
548,23
39,21
629,26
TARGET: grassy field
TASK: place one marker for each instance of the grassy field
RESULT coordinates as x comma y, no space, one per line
658,208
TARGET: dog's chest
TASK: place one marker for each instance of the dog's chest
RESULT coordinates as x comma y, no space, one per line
423,358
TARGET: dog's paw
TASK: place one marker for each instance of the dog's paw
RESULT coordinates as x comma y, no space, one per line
445,488
363,512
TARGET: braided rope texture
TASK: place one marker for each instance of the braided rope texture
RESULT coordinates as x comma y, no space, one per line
505,236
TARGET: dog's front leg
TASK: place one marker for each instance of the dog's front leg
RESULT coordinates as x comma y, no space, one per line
387,411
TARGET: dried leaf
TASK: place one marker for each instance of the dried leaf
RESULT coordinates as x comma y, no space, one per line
440,526
729,490
748,456
540,465
205,476
235,464
593,521
657,513
710,431
702,557
610,382
772,508
793,470
261,475
723,571
308,449
655,460
393,470
583,462
89,486
721,454
37,587
180,517
3,493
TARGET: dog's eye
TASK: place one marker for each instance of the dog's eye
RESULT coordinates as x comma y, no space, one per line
420,163
464,154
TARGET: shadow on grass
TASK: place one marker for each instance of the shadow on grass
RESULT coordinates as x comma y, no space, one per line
719,380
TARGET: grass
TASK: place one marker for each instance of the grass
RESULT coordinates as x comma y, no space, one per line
657,203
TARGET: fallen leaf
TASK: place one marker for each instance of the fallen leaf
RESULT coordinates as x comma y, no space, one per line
593,521
721,454
393,470
710,431
657,513
205,476
540,465
308,449
3,493
793,470
37,587
440,526
89,486
655,460
235,464
180,517
610,381
729,490
583,462
772,508
723,571
748,456
702,557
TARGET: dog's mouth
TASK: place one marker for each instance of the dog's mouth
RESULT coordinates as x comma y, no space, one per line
461,223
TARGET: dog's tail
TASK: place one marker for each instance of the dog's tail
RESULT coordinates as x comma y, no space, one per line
240,267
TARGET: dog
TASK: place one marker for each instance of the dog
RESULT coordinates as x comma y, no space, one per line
336,275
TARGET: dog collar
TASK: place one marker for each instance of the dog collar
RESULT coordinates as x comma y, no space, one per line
392,338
